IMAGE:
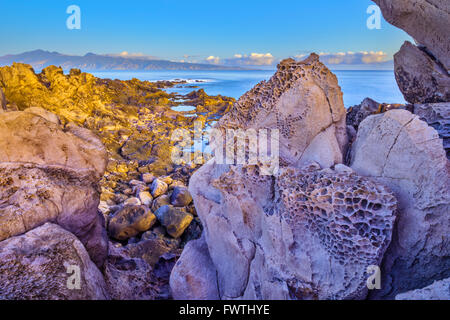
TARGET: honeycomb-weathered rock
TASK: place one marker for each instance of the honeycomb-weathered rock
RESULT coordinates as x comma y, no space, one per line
306,234
304,102
407,155
353,217
46,264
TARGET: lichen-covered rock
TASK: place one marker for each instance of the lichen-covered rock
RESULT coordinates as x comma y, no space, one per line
43,264
407,155
194,275
439,290
174,220
427,21
50,173
158,187
420,78
180,197
304,102
437,115
306,234
130,221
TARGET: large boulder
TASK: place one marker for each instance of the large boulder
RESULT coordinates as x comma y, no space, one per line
302,95
427,21
407,155
437,115
420,78
194,276
50,173
48,263
305,234
439,290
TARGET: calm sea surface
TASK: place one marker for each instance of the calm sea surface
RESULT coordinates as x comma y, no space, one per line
356,85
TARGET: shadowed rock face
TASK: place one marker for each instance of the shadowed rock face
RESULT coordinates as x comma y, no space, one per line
427,21
302,95
420,78
50,173
439,290
407,155
194,277
35,265
437,115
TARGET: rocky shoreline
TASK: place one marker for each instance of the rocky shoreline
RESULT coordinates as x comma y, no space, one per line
88,187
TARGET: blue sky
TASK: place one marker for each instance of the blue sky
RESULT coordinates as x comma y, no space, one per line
223,31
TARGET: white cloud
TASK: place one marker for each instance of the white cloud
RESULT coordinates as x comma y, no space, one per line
351,58
253,59
213,60
128,55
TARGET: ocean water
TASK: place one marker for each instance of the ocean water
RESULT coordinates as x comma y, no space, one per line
356,85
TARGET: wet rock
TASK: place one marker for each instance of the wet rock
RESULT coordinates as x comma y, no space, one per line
43,264
180,197
158,187
407,155
160,201
174,220
146,198
130,221
420,78
148,178
132,202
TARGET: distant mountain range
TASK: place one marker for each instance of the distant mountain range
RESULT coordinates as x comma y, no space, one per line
40,59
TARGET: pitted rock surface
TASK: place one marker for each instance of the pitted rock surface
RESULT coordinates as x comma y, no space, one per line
306,234
304,102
